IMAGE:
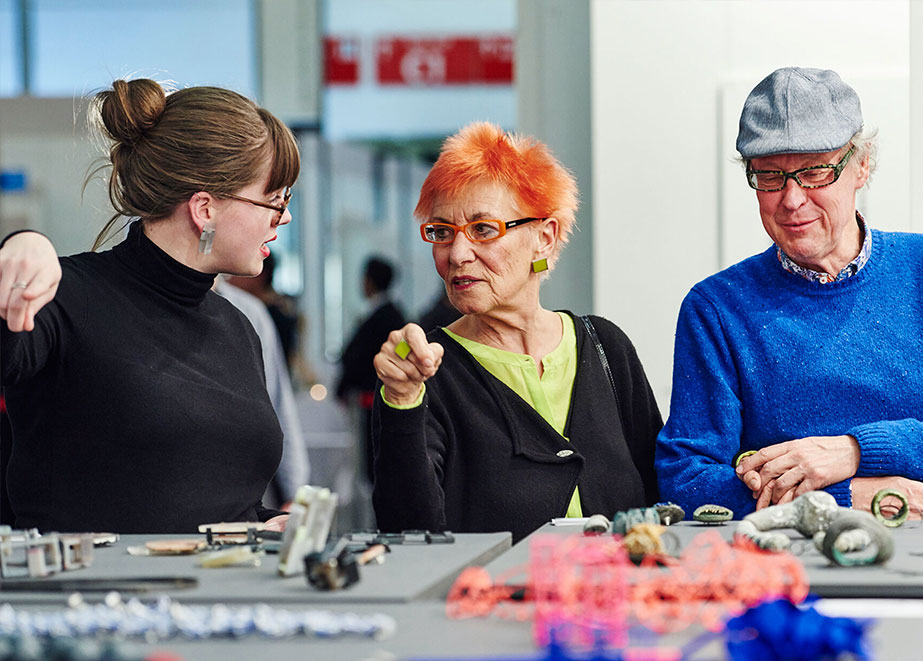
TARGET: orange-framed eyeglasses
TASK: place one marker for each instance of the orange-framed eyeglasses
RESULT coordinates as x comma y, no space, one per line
478,231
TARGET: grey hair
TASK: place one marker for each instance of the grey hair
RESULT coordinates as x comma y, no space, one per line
866,144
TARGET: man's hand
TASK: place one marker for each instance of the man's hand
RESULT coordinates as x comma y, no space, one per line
779,473
864,489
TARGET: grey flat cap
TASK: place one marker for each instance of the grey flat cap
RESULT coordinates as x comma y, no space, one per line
798,111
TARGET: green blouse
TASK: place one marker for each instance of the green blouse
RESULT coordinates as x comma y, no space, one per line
549,395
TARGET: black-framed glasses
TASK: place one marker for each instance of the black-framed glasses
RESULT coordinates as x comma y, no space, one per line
815,176
278,208
478,231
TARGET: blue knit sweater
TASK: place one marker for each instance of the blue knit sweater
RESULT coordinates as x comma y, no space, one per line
764,356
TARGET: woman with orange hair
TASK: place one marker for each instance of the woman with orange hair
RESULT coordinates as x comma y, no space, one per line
513,414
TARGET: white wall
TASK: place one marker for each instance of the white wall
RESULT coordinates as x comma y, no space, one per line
553,101
668,80
48,140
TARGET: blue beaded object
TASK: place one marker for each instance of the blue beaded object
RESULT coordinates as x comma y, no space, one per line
166,619
785,631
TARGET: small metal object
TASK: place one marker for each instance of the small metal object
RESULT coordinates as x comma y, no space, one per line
416,537
596,524
564,453
19,284
898,519
143,584
231,556
712,514
307,529
670,513
76,551
333,569
43,553
207,238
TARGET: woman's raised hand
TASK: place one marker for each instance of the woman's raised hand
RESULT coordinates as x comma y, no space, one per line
405,361
29,277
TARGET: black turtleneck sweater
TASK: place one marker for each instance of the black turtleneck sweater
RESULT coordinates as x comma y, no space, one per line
138,403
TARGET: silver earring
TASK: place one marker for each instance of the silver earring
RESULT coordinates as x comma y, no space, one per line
206,238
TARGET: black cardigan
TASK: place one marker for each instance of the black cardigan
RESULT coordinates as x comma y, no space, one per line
475,457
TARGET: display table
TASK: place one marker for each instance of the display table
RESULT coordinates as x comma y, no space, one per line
411,585
409,572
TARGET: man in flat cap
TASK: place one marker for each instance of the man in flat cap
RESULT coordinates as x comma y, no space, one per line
810,353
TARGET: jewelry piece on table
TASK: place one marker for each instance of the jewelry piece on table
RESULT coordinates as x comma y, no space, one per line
623,522
712,514
596,524
809,513
850,521
898,519
670,513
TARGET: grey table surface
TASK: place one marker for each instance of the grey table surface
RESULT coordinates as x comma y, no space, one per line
411,588
409,572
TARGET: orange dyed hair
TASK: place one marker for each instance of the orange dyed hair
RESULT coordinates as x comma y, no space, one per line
482,152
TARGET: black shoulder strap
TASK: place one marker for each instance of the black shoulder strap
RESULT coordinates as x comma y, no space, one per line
591,329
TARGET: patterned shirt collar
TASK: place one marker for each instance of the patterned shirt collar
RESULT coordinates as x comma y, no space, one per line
847,271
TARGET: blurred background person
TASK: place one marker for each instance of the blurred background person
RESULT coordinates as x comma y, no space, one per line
294,468
283,311
357,376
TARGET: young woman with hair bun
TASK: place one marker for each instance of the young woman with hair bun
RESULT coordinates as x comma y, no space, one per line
136,394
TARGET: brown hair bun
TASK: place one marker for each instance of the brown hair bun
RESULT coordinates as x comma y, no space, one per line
131,108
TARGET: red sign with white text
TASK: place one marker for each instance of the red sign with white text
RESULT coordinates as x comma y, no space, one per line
449,61
341,61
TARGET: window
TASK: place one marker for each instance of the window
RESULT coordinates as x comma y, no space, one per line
80,46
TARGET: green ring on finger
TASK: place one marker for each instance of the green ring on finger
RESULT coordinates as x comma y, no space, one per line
402,349
740,457
899,518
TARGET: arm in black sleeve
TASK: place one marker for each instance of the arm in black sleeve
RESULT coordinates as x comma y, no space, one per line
410,450
27,353
637,405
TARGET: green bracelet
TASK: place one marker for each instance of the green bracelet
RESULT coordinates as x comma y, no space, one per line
900,517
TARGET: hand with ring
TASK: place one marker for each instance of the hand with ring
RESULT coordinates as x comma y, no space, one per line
29,277
403,372
780,473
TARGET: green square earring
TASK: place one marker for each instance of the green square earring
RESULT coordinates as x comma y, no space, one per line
540,265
